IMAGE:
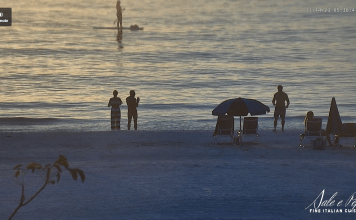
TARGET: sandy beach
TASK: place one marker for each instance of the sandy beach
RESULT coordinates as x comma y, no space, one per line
60,62
176,175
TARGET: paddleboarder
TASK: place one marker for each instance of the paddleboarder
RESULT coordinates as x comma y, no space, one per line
119,11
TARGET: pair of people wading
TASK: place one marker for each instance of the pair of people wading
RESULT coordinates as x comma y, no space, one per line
132,104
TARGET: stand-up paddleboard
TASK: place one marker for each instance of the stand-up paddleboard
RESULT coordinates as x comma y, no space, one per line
132,28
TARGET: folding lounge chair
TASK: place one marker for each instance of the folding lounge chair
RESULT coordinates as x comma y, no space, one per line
312,129
224,127
347,130
250,127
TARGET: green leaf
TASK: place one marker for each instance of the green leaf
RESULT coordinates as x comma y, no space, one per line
18,166
33,166
58,167
62,160
29,166
81,174
17,173
74,173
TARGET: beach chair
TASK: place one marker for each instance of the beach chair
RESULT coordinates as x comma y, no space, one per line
347,130
312,129
250,128
224,127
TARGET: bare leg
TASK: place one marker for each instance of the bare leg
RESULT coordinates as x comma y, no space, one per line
275,124
283,122
118,118
129,122
113,120
135,121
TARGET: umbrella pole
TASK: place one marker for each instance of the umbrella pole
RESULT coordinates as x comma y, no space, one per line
240,122
240,134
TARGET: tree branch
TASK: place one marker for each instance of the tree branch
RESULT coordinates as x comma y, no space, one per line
22,202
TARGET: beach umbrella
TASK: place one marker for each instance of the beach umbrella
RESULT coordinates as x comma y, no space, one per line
240,107
334,124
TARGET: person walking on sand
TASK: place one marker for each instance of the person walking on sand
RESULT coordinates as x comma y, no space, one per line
132,104
278,101
115,103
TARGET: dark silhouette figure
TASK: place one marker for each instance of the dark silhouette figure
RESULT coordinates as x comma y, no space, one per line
119,11
115,103
132,103
278,101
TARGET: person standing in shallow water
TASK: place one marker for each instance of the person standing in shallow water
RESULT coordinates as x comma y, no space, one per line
279,100
115,103
132,104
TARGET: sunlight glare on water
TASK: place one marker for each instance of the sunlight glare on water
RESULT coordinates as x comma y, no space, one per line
191,56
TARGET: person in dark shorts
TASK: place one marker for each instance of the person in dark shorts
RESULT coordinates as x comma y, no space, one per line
132,104
279,100
115,103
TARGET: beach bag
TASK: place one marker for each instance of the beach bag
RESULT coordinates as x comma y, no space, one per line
318,144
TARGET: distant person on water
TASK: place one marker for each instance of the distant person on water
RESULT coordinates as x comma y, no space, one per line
132,104
279,100
115,103
119,11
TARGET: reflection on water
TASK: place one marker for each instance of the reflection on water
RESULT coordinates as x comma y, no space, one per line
191,55
119,37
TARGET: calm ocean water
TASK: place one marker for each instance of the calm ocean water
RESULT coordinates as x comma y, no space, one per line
58,73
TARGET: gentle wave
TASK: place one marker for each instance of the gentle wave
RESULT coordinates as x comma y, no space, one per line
181,67
27,121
